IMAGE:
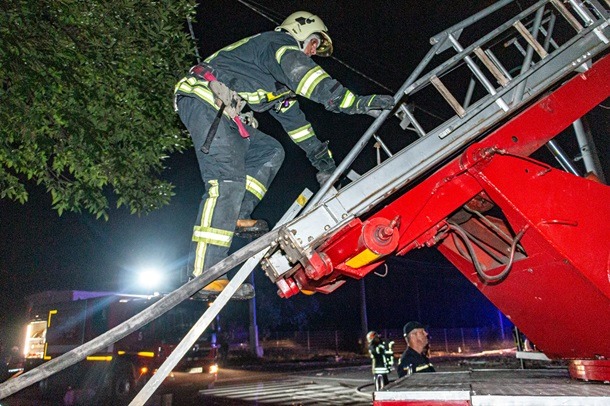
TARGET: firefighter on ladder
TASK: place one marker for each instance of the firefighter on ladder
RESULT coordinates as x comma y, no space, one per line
382,357
237,161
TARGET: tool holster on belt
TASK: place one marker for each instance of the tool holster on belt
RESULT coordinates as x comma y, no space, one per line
233,103
226,99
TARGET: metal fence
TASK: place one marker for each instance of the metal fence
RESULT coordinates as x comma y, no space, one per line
299,344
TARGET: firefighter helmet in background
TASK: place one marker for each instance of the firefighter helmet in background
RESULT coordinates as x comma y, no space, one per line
370,336
302,25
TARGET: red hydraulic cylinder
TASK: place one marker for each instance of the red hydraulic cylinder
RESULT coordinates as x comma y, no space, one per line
379,238
373,240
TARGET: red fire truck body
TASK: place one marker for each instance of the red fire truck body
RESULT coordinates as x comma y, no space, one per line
63,320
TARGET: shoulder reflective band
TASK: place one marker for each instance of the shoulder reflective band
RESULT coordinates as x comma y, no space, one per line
282,50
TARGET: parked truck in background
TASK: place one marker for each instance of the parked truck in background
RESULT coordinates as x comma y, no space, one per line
60,321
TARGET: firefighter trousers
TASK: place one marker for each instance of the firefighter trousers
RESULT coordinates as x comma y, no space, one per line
236,173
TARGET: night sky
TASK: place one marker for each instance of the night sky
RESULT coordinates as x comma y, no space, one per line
385,40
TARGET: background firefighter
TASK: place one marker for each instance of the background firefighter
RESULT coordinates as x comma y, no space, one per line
382,357
265,72
415,358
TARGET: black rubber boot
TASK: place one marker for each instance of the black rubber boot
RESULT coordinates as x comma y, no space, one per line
259,228
245,292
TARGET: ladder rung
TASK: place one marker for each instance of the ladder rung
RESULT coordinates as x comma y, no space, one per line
457,107
567,15
498,64
530,39
502,80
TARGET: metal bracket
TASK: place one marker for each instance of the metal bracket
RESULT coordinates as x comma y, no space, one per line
443,40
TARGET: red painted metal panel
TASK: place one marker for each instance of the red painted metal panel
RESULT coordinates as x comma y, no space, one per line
559,294
422,208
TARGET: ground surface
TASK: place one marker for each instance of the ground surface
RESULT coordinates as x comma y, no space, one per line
331,380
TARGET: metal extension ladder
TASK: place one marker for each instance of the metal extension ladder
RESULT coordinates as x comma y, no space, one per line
585,34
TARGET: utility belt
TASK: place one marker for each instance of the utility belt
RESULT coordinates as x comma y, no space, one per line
232,101
228,101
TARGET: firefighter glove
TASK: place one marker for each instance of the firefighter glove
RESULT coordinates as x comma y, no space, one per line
374,103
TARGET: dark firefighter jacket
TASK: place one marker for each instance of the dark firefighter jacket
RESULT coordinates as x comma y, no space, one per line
267,70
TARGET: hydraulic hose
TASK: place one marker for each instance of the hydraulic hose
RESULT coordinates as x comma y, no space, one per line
477,266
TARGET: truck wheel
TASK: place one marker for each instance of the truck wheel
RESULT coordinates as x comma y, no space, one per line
44,388
123,385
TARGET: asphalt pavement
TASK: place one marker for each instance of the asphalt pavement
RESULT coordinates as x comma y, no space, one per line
325,382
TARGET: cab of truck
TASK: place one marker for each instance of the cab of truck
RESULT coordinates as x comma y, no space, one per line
62,321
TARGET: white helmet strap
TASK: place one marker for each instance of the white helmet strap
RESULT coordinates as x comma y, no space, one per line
313,36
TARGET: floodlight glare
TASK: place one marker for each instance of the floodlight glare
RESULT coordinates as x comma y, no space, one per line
150,278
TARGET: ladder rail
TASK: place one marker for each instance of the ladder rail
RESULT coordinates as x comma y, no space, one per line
494,65
324,191
416,83
481,105
530,37
422,81
413,84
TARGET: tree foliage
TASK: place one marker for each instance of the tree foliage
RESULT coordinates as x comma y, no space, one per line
86,100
